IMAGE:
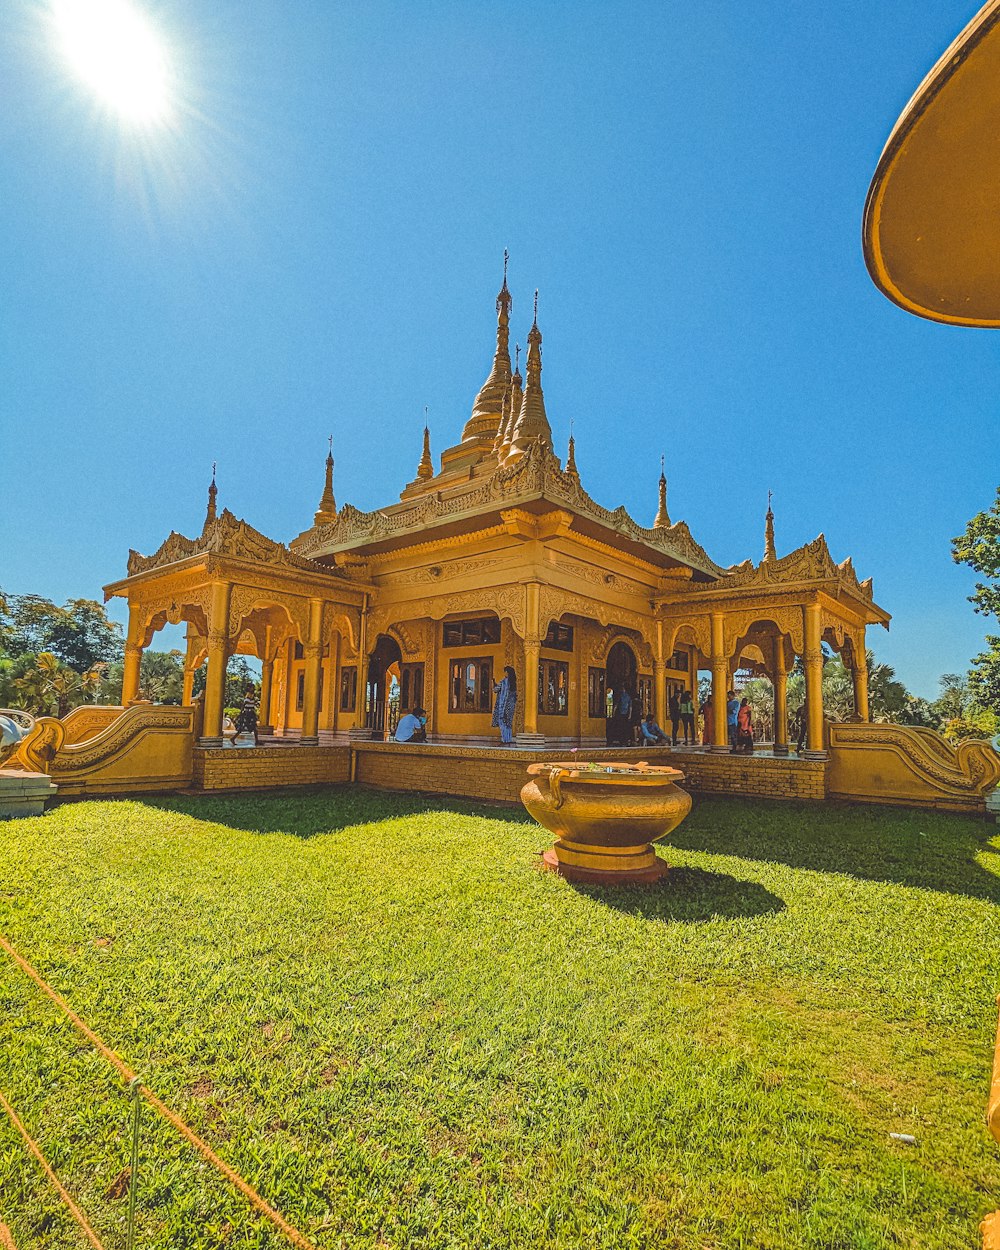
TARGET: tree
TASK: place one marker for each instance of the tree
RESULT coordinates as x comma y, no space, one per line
979,548
78,634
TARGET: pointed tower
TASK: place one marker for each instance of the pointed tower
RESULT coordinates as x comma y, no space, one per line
662,521
532,423
425,468
327,510
514,397
213,491
488,407
571,468
769,551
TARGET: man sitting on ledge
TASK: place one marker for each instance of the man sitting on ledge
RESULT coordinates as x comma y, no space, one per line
652,734
411,727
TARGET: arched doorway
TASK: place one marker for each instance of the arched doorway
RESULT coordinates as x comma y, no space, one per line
382,691
620,673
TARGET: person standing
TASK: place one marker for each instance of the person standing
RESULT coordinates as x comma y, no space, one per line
674,712
246,722
709,727
732,716
687,718
744,726
506,701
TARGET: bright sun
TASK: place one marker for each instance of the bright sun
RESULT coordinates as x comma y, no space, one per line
116,51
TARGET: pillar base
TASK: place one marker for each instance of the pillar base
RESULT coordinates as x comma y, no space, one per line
530,742
780,748
211,742
266,730
714,750
815,755
311,741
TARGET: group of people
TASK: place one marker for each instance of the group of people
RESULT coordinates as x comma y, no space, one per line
739,724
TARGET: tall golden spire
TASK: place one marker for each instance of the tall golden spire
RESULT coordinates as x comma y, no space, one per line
425,468
532,423
571,468
327,510
769,551
213,491
488,406
662,521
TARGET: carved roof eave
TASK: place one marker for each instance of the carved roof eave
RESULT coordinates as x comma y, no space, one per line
808,570
535,475
227,542
325,582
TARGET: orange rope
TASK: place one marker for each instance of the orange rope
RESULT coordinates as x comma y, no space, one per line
245,1188
33,1146
6,1240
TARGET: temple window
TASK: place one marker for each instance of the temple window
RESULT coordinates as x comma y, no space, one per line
299,651
411,686
476,633
596,694
553,688
679,661
646,695
559,637
348,689
471,688
300,690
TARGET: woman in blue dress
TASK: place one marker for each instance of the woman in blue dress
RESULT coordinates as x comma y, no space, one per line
503,709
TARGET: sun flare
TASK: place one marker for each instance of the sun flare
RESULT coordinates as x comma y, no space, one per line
117,52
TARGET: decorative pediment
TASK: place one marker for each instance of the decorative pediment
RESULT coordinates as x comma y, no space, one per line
227,535
811,563
535,473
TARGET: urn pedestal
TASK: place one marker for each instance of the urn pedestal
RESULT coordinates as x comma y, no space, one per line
606,818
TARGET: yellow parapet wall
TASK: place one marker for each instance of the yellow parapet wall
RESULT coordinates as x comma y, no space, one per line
146,747
87,720
903,764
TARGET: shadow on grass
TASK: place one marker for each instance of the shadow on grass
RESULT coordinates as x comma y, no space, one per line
929,850
316,810
688,895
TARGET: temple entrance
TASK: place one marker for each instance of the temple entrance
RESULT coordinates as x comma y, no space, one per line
620,674
382,689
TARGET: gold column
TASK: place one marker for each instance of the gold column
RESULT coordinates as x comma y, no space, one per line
218,658
720,686
860,674
532,647
266,685
187,690
314,667
693,676
287,694
660,691
133,659
813,660
361,696
780,683
333,682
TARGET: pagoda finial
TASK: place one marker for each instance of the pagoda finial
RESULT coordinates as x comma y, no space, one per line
662,521
517,359
327,510
213,491
532,423
486,410
425,468
571,468
769,550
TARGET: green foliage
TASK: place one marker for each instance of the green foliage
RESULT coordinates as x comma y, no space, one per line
979,548
380,1012
161,678
78,634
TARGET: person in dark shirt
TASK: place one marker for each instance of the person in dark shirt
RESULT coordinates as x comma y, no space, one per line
674,712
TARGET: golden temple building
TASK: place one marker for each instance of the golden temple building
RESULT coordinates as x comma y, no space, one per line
496,556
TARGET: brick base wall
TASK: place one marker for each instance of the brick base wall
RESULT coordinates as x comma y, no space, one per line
265,768
498,775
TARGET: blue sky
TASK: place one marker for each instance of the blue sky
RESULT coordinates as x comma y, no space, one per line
313,245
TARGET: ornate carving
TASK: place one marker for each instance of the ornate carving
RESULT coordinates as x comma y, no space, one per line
36,751
536,472
227,535
785,620
810,563
132,722
970,765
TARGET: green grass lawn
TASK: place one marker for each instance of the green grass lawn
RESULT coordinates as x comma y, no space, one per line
378,1010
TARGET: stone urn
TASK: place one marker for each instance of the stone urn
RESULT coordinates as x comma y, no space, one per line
606,818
